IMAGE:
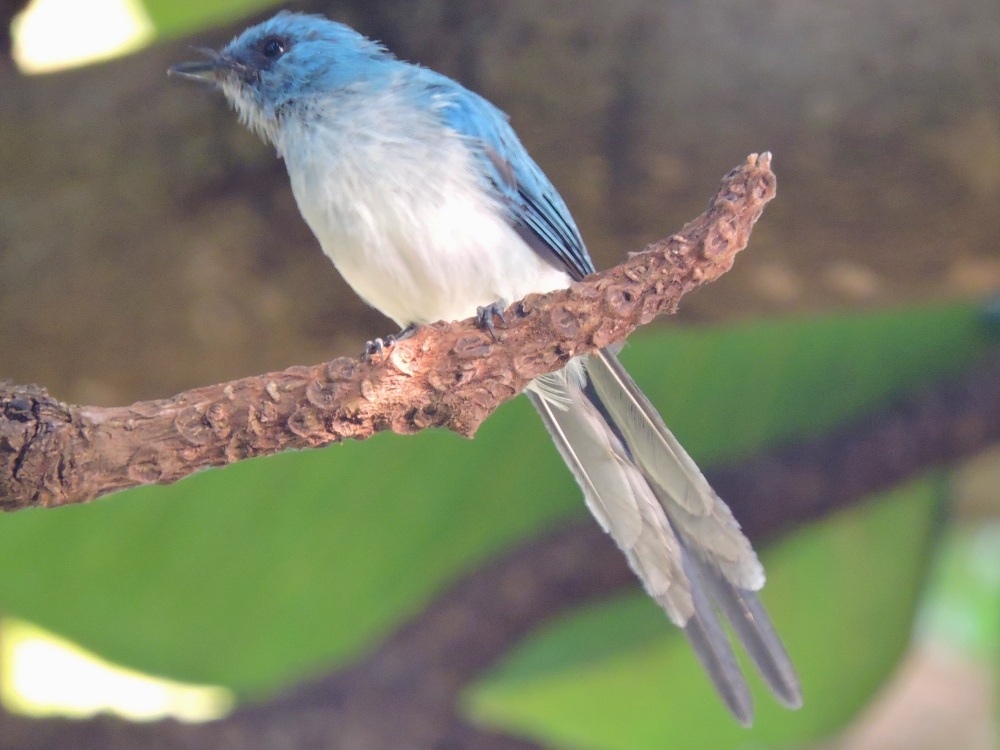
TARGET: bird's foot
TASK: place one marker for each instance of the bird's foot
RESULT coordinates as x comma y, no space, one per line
378,347
395,338
374,349
485,316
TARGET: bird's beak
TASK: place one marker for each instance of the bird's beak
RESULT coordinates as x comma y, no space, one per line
202,70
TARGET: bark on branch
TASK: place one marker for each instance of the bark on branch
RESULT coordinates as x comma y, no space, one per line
447,375
406,692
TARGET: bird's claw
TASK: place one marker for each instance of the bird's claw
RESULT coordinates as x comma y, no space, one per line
379,346
375,348
485,316
395,338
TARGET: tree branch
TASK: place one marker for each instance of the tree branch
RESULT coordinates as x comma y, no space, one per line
447,375
405,693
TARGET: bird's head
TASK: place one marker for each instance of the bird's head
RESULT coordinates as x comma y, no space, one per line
290,60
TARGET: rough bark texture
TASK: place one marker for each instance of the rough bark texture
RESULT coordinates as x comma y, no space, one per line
148,244
167,248
404,694
446,375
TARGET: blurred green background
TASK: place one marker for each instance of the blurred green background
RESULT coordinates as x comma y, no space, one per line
148,244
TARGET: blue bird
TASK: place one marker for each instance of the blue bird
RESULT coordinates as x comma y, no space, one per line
425,200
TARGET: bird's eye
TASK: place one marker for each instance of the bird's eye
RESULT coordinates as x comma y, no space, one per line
272,47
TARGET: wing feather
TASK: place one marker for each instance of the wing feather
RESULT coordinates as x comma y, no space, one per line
533,205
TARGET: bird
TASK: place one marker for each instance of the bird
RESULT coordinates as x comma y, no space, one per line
430,207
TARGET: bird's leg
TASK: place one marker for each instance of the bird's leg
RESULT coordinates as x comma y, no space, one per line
373,348
485,315
395,338
378,346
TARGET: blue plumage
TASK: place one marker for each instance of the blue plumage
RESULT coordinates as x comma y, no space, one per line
428,204
532,202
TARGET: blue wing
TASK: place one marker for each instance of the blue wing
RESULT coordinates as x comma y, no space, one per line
535,209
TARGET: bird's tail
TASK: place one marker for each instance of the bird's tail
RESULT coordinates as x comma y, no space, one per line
679,537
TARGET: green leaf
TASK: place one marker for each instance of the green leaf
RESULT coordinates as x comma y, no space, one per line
175,18
728,391
961,607
615,677
256,574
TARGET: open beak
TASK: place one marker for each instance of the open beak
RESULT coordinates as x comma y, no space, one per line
206,70
202,70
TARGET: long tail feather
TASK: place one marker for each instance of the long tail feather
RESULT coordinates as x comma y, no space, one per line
617,495
714,651
677,534
755,631
690,502
606,490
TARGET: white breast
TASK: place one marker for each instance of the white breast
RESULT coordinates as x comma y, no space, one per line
398,206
